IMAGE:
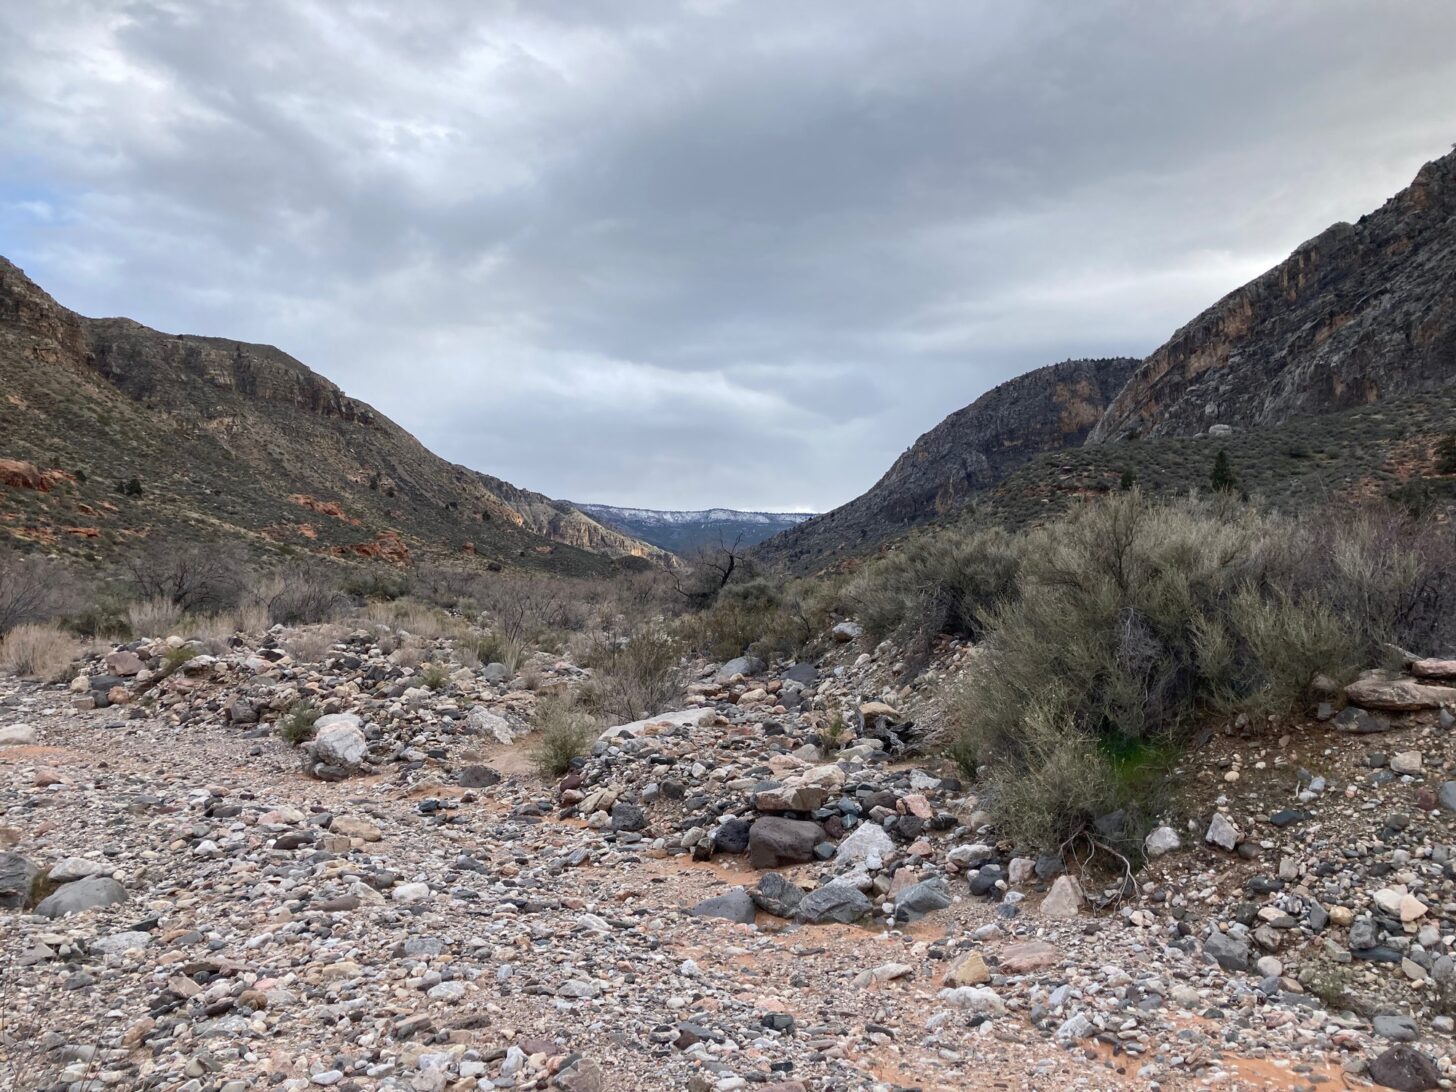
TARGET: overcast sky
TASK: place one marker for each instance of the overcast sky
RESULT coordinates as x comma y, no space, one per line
706,253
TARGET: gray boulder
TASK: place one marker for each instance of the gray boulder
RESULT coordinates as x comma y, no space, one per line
736,905
803,674
920,899
1398,1029
16,876
1228,952
1446,796
773,841
776,895
1222,832
628,817
741,665
85,894
339,741
835,901
1161,841
866,840
482,720
1405,1069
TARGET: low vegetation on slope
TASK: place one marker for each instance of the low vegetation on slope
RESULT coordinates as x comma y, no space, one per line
1389,450
1107,638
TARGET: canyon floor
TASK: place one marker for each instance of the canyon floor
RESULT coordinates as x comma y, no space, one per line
444,918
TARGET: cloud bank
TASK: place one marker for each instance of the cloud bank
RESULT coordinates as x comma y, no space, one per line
703,253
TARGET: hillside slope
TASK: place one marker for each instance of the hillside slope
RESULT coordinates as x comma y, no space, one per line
111,433
684,532
972,450
1359,313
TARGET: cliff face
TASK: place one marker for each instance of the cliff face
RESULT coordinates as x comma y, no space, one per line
1361,312
972,450
229,438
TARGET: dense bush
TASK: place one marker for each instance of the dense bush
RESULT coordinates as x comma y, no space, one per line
633,676
300,595
38,650
759,616
32,589
1132,621
195,577
562,732
939,583
1446,454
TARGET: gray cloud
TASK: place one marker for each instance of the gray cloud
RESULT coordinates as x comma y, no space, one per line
700,253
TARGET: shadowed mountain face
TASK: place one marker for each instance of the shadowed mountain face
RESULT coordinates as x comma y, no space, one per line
1361,312
112,433
972,450
685,532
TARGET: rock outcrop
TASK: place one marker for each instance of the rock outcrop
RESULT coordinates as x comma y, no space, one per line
972,450
1359,313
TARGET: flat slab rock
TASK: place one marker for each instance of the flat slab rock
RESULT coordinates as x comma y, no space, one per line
1397,694
681,719
1434,669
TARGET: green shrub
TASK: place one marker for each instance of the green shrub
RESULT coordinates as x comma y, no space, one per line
176,656
1054,782
562,733
1134,622
766,618
940,583
376,583
296,726
435,676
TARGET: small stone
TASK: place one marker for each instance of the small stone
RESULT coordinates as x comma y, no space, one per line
969,970
1162,840
1222,832
1064,901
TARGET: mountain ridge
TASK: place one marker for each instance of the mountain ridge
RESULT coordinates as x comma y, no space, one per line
224,437
1357,313
970,450
684,531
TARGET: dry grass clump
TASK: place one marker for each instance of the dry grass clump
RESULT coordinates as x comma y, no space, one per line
532,677
39,651
562,733
494,648
410,653
311,645
155,616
